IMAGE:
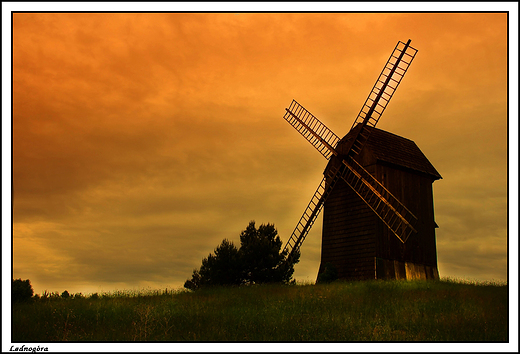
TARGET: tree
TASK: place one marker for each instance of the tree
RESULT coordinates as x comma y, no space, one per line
221,268
21,290
262,261
65,294
195,282
258,260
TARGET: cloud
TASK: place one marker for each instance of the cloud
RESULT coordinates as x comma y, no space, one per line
140,141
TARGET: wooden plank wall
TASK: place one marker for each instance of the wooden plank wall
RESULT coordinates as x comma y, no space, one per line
353,236
348,240
416,192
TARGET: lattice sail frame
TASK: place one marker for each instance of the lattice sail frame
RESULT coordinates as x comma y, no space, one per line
321,137
386,206
310,214
386,84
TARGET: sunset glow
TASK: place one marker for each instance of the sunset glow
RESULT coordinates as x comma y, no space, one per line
141,140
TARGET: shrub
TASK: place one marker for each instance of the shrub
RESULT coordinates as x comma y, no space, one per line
259,259
21,290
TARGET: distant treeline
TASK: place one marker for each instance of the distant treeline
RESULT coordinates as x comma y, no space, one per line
22,291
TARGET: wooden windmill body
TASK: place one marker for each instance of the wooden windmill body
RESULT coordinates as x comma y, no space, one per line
355,240
376,191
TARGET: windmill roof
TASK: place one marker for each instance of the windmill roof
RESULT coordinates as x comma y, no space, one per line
399,151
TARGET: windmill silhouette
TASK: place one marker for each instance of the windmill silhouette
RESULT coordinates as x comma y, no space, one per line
370,176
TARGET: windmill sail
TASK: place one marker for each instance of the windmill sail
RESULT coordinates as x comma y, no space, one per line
388,208
311,213
383,90
321,137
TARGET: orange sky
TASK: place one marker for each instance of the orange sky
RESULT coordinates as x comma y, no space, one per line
140,141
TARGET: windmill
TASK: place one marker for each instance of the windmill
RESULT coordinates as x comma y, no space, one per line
366,225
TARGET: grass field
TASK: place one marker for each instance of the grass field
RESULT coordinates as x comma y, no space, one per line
442,311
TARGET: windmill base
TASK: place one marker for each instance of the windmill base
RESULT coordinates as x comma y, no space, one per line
379,268
391,269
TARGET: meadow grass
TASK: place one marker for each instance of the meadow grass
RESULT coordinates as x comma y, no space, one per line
443,311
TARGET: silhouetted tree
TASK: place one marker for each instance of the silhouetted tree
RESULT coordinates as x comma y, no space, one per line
261,258
65,294
21,290
258,260
195,282
220,268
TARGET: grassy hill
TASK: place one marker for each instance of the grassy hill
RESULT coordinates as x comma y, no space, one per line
359,311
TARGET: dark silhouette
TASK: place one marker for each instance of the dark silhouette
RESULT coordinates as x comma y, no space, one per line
220,268
262,260
65,294
257,261
376,193
21,290
328,275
